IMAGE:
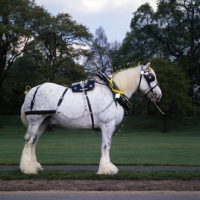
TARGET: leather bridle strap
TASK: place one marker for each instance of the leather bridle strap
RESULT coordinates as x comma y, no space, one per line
151,88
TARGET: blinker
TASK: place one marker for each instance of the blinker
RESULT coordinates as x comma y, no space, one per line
150,77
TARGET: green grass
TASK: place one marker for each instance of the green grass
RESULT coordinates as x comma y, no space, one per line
140,142
90,175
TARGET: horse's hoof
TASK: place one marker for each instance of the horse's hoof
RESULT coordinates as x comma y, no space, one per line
107,169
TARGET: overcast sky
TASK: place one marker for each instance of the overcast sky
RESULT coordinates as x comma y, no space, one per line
113,15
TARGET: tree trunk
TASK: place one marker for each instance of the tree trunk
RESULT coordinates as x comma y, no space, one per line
165,130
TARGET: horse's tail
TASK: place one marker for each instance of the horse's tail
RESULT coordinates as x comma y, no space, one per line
23,117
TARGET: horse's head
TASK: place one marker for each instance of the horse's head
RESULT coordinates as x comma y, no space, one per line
148,83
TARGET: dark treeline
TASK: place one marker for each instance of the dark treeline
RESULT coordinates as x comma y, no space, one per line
36,47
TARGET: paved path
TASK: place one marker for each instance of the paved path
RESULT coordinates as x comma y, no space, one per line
62,195
121,168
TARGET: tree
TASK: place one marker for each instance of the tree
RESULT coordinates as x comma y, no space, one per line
17,19
101,53
16,25
138,44
50,44
56,46
180,18
171,33
21,75
176,90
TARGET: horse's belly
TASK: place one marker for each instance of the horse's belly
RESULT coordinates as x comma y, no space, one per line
74,123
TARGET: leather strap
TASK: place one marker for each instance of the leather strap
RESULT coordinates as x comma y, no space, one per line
62,97
33,100
44,112
90,108
40,112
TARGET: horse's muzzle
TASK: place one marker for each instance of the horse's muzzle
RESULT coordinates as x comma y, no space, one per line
155,97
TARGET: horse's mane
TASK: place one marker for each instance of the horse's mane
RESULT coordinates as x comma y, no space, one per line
126,79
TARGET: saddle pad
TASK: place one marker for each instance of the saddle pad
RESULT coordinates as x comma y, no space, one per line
83,85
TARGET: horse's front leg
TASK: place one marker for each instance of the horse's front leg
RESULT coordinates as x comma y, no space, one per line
105,166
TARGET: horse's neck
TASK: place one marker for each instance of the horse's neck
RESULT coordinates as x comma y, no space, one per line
127,80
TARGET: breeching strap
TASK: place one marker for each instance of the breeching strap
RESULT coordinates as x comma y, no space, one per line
33,100
43,112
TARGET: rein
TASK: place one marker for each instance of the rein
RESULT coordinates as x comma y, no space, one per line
170,116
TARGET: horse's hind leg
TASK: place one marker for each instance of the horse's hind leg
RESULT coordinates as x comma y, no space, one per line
33,147
28,163
105,166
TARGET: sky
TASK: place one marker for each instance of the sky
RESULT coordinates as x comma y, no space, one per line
113,15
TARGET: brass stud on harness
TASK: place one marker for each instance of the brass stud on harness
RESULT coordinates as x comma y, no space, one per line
28,88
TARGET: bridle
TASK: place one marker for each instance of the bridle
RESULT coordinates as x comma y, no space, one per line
149,78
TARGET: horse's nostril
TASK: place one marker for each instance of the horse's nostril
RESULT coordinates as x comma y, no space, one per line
154,95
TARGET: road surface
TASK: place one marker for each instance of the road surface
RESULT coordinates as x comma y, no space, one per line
63,195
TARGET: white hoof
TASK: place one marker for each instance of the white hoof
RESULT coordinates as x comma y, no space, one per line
28,168
38,166
107,168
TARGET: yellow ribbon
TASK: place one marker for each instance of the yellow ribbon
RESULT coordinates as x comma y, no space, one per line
115,90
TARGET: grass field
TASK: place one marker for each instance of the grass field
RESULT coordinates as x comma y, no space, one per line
140,142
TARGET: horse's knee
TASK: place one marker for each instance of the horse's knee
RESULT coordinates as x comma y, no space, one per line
35,140
27,138
106,144
106,147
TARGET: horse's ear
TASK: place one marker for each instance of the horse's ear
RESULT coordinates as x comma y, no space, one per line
146,67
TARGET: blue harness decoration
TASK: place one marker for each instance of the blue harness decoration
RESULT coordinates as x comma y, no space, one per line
83,85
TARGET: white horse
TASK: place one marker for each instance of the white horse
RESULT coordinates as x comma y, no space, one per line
74,112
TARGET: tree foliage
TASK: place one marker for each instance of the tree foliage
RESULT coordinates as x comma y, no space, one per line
16,27
171,32
176,88
37,47
21,75
56,46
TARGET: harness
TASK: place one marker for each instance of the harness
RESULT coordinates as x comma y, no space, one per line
76,87
84,86
43,112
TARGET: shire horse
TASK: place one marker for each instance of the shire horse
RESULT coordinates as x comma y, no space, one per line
73,111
